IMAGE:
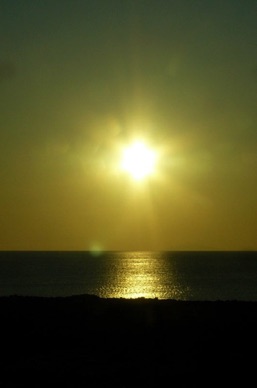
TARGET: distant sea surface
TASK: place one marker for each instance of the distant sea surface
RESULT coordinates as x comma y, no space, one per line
163,275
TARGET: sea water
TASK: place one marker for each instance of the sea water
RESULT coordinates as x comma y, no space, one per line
163,275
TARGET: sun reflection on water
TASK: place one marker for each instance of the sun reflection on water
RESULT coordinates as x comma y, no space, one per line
144,275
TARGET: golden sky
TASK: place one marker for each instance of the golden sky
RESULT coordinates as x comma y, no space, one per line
80,81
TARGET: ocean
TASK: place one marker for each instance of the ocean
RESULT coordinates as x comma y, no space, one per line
182,275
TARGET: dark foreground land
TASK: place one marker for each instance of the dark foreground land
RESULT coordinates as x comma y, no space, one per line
86,341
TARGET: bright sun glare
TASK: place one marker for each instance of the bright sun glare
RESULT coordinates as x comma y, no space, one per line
138,160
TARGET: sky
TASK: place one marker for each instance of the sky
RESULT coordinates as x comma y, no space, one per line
81,80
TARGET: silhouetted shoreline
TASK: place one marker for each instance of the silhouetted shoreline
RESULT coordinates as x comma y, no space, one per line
95,342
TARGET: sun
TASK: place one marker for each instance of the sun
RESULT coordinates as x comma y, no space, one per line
138,160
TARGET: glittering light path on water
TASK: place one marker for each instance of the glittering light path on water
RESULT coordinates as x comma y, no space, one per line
143,274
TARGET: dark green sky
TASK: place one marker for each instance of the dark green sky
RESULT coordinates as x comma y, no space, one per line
78,79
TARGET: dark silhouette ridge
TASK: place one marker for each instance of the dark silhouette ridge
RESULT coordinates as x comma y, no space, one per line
93,342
